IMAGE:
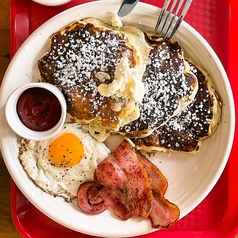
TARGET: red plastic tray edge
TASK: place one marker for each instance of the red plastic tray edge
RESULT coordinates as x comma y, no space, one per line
229,225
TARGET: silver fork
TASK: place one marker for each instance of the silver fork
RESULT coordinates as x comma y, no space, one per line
170,19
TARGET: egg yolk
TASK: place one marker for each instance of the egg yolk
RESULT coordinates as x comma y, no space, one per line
66,151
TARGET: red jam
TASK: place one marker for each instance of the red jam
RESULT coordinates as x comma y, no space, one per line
38,109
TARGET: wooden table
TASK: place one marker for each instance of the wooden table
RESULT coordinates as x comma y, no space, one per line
7,227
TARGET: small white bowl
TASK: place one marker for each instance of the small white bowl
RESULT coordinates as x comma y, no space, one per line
17,125
52,2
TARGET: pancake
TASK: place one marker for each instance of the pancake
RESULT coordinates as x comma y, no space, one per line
99,69
186,131
169,87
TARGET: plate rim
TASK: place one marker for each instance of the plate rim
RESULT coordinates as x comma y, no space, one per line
42,27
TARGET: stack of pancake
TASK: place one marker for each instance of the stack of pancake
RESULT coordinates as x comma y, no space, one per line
120,80
186,131
99,70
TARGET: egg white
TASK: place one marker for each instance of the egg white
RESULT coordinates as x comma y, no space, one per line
60,181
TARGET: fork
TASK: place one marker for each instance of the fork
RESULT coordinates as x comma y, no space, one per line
170,20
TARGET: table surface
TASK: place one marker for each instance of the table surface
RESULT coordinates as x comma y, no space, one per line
7,227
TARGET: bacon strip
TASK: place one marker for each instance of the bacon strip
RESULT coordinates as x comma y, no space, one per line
89,198
137,187
159,183
163,213
129,183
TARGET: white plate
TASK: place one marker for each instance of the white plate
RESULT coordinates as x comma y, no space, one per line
190,177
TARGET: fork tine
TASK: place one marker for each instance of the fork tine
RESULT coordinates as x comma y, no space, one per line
163,10
184,12
168,15
178,18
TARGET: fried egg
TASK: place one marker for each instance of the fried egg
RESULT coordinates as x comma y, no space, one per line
59,165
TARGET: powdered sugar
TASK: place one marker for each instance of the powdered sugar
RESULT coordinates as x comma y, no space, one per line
185,131
166,86
76,58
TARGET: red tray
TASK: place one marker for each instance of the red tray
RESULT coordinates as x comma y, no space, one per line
217,215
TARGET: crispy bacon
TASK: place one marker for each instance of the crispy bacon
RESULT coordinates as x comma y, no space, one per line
129,183
90,199
136,189
163,213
